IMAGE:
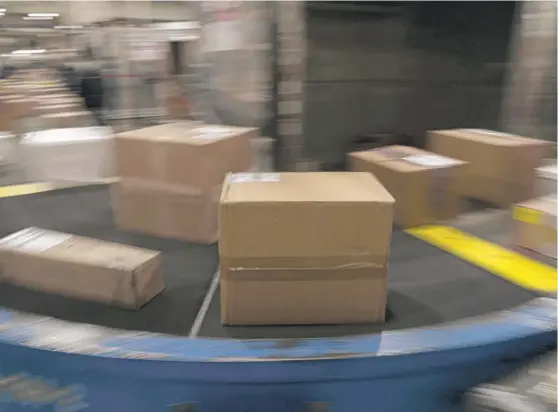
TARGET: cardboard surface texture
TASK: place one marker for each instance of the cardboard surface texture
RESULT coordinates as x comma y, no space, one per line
171,177
82,268
427,187
535,225
184,154
502,165
185,215
304,248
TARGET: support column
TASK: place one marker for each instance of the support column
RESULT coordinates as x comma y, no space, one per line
291,57
529,106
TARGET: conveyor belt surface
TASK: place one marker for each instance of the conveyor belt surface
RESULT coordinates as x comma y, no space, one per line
427,286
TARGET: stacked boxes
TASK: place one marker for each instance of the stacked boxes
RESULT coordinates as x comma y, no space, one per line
171,177
427,187
304,248
79,267
502,166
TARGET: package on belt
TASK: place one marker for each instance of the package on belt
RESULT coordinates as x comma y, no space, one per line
75,154
171,177
502,165
427,187
80,267
535,225
304,248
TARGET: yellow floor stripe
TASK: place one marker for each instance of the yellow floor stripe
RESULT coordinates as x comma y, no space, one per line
26,189
32,188
512,266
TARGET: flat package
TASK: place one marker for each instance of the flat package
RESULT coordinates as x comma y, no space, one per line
171,177
61,155
502,165
304,248
535,225
427,187
80,267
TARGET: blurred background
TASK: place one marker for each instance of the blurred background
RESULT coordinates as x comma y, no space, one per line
317,77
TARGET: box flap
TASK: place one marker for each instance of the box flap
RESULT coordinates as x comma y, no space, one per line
304,187
492,137
405,158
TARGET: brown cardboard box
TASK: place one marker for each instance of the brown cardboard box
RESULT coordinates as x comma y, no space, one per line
185,215
84,268
426,187
535,225
171,177
184,154
304,248
502,166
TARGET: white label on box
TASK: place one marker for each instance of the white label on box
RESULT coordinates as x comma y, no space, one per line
488,132
431,160
254,177
34,240
211,133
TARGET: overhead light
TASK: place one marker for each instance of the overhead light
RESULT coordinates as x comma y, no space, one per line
43,14
3,10
68,27
31,51
37,18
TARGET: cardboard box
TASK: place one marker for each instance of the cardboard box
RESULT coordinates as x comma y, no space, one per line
502,166
184,154
304,248
169,213
427,187
171,177
79,267
535,225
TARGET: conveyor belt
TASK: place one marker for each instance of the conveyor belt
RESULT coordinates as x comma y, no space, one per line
427,286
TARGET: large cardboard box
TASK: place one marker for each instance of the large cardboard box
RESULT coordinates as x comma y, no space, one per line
171,177
535,225
304,248
427,187
79,267
502,165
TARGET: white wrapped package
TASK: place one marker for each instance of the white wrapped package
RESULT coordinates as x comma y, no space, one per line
546,179
76,154
8,148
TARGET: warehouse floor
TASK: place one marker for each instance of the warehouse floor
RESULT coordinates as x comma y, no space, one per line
427,285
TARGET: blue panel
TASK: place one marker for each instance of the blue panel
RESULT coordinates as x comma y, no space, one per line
51,365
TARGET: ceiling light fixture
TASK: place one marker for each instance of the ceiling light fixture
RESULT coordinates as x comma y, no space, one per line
37,18
68,27
43,14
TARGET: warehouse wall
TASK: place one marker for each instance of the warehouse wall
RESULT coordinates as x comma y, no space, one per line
426,65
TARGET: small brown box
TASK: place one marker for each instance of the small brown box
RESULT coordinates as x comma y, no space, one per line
535,225
502,166
80,267
427,188
304,248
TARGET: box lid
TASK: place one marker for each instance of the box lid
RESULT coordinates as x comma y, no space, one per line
313,187
190,133
492,137
406,159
